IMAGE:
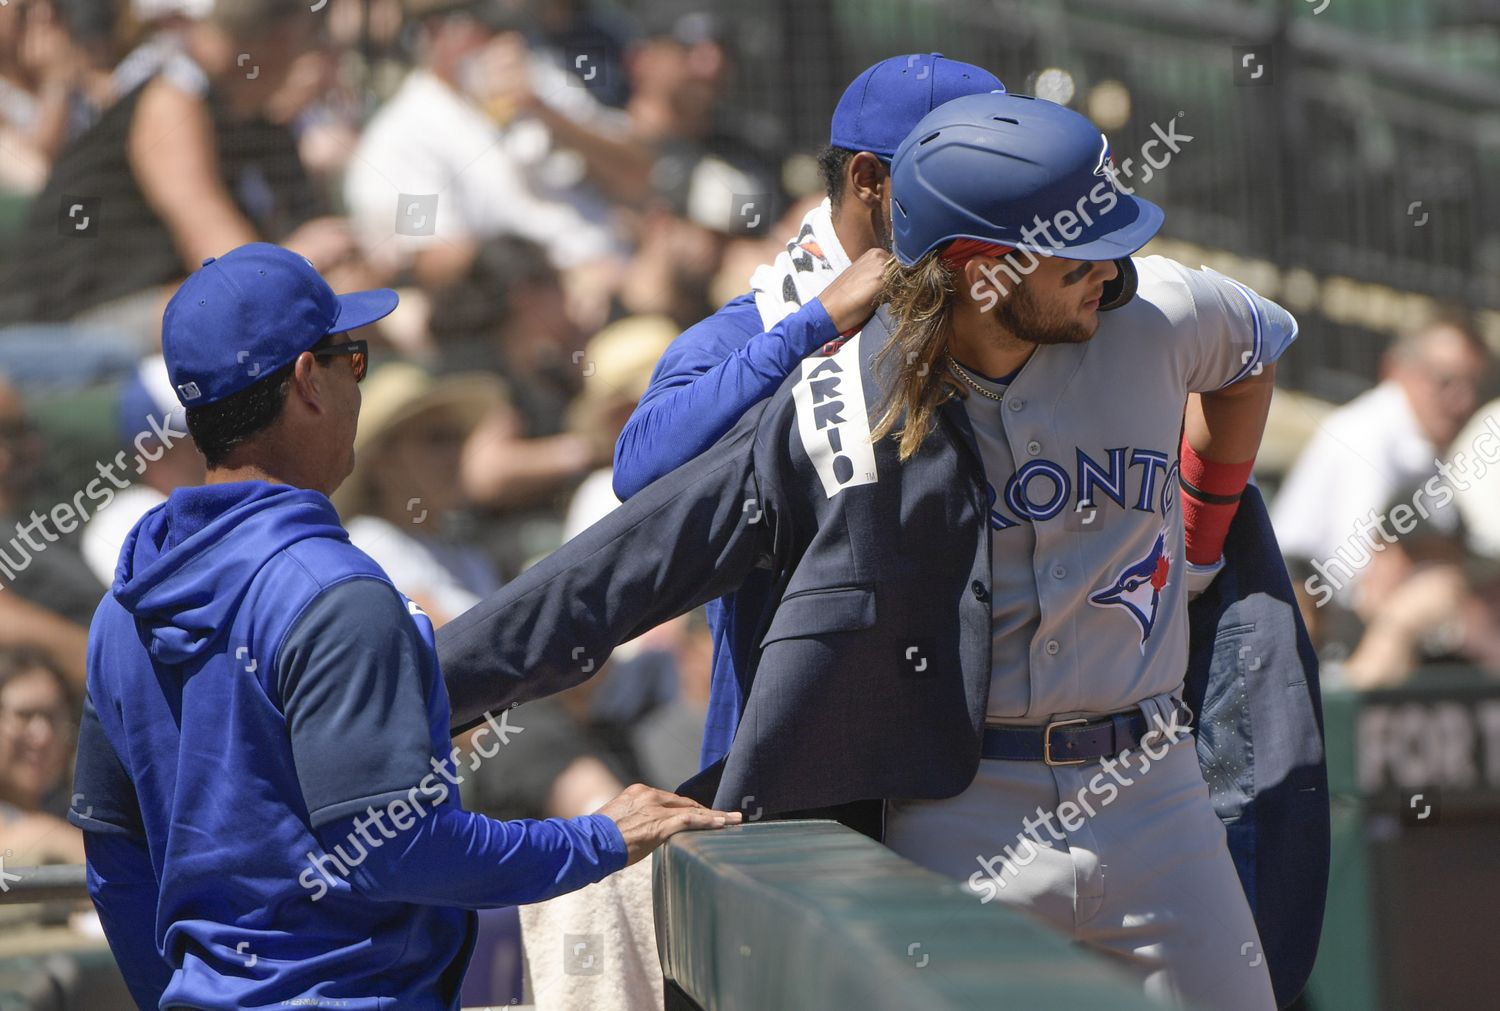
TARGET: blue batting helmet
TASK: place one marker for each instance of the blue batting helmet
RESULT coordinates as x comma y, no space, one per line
1016,171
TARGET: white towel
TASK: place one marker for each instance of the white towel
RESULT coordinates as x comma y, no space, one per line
595,949
807,265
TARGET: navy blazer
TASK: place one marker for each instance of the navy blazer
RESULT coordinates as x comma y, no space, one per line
836,712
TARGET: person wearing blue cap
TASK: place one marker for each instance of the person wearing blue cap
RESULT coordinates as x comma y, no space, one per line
824,284
261,697
975,529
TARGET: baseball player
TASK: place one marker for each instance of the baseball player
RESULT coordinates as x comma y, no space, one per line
826,282
264,776
971,516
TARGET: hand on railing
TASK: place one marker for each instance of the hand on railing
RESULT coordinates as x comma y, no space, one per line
648,817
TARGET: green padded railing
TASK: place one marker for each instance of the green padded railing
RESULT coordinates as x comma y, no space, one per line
810,914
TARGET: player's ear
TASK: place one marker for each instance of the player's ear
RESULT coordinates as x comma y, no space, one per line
866,179
987,281
308,381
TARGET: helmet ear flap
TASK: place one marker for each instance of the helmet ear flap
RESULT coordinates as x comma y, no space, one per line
1122,288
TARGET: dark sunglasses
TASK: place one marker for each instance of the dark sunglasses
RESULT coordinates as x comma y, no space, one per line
358,352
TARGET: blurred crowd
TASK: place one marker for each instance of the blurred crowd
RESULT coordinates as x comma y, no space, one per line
555,191
1387,515
549,184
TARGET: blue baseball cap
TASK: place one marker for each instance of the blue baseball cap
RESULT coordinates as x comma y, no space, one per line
243,315
880,108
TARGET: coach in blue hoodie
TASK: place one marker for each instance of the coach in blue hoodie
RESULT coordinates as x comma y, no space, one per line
264,775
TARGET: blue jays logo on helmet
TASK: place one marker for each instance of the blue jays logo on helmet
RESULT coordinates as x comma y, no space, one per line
1138,588
1106,167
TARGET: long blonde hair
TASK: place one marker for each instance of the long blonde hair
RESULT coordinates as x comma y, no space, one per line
911,366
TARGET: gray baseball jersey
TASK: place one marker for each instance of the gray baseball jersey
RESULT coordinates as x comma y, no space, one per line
1089,599
1089,614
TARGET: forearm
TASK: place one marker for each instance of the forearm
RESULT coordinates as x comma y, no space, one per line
1386,655
174,158
49,130
1221,435
444,263
24,624
1226,426
620,166
454,857
683,420
523,471
201,218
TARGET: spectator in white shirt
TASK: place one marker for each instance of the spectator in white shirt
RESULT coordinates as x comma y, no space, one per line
1391,437
483,140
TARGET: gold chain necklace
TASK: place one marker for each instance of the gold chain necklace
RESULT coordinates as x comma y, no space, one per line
963,374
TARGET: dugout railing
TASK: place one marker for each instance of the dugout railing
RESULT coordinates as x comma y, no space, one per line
810,914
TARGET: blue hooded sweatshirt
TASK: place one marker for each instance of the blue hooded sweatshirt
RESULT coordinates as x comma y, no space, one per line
265,778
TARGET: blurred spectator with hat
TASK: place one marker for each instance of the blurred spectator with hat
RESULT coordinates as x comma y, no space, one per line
185,166
399,501
153,429
482,140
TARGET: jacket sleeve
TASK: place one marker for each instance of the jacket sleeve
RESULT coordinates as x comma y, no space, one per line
710,376
688,538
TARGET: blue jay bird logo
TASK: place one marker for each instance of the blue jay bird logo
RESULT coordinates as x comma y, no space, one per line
1138,588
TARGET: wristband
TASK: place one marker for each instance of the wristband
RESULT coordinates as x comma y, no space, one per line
1210,497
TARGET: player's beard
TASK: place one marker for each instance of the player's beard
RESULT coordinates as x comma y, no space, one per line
1023,316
